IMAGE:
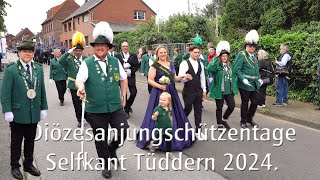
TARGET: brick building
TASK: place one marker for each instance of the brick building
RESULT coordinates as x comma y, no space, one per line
122,15
52,26
24,32
9,38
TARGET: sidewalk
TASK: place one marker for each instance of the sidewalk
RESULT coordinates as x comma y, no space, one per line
296,111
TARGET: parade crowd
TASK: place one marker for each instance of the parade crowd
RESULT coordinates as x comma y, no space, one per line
102,80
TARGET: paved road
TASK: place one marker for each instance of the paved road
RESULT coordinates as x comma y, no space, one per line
297,159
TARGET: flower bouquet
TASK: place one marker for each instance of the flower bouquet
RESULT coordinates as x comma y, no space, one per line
164,80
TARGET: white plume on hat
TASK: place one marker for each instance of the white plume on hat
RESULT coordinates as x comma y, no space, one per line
252,37
103,28
222,45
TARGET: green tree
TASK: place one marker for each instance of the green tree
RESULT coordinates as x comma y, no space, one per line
3,12
272,21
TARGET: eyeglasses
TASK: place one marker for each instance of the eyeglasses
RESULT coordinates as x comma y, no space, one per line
100,45
27,51
252,45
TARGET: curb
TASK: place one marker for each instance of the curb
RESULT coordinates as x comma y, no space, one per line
303,122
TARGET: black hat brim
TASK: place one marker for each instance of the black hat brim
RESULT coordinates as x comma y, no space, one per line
109,45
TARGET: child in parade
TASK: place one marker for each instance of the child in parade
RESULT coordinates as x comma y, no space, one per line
162,116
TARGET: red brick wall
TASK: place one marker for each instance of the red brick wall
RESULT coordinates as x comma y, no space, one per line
116,11
120,11
68,8
85,28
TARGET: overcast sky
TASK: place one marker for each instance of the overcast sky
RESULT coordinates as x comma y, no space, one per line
25,13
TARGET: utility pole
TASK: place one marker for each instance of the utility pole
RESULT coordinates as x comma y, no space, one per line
158,16
189,7
217,6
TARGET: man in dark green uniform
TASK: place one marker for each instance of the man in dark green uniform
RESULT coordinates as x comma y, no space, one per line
98,80
247,70
59,75
72,63
146,62
24,104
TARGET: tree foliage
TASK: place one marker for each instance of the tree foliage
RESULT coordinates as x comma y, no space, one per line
179,28
267,16
3,12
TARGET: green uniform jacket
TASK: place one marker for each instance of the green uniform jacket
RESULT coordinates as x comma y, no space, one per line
186,56
14,93
68,61
245,67
177,60
57,72
205,65
145,64
216,68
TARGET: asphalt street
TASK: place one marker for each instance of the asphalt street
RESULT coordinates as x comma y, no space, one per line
296,158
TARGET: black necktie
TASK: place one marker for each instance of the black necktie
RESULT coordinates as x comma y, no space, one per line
105,61
28,71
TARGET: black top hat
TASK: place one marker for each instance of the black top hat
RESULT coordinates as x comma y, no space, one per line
101,40
26,44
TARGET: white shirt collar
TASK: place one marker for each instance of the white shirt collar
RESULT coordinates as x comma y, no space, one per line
24,64
97,59
192,60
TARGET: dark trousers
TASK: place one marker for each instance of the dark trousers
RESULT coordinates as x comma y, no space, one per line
102,120
61,87
219,103
149,86
263,94
76,104
133,94
247,114
18,132
195,100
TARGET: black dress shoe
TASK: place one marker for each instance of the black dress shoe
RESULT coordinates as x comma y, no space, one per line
16,173
113,155
32,170
79,125
243,125
106,174
253,123
61,103
130,110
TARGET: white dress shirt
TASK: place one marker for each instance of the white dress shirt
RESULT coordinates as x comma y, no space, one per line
25,67
125,56
183,68
284,60
83,70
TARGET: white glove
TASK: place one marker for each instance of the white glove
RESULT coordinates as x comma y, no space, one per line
246,82
142,74
51,81
126,65
128,72
210,80
260,81
71,50
43,114
8,116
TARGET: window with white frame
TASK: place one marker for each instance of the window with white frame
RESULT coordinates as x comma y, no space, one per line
85,18
139,15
